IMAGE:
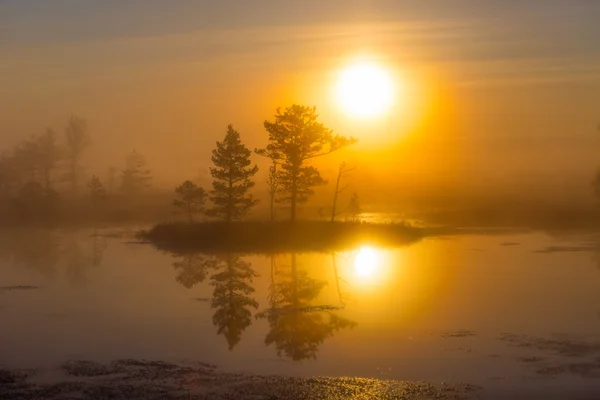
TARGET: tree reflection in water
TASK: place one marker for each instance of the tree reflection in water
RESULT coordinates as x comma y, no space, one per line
50,252
297,327
77,261
231,298
193,268
232,291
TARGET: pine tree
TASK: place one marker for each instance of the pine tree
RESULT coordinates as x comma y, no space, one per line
232,178
295,137
190,199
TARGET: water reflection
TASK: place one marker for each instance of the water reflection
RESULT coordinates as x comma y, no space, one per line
49,252
297,326
232,282
297,323
366,262
193,268
232,299
39,251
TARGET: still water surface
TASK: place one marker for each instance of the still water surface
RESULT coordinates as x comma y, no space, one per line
485,309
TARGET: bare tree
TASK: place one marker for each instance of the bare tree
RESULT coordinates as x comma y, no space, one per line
341,172
354,207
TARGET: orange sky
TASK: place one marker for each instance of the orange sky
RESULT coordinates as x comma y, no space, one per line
497,93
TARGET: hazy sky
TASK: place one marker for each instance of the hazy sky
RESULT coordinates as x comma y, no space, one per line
498,89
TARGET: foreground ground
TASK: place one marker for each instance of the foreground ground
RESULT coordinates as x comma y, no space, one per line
133,379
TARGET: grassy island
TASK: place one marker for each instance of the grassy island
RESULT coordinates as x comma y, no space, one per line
275,237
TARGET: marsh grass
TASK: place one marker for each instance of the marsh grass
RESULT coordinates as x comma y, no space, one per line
277,237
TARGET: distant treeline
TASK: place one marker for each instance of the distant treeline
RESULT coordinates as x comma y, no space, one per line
42,179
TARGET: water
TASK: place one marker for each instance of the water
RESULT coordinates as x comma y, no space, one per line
494,310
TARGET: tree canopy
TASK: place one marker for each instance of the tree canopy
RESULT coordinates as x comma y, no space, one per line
296,136
232,178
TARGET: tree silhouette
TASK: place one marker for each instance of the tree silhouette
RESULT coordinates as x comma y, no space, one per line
297,327
136,177
354,207
77,140
190,199
341,172
231,298
295,137
273,185
232,178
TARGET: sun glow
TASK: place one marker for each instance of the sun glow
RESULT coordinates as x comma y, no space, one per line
365,90
367,262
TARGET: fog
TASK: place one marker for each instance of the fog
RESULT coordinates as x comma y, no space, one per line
500,102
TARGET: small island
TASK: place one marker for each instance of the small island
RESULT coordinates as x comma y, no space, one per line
277,237
295,137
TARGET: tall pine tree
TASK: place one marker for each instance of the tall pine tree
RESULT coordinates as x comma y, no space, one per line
295,137
232,178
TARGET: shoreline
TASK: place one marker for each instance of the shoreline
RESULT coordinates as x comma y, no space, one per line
278,237
141,379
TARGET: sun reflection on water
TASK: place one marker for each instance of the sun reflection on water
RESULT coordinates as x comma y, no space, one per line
368,266
367,262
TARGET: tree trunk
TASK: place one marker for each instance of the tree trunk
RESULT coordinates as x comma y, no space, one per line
335,196
273,190
294,194
230,197
337,279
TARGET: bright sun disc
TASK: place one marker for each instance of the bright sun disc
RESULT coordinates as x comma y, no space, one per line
365,90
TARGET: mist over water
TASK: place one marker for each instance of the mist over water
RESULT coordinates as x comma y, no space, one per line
406,313
311,199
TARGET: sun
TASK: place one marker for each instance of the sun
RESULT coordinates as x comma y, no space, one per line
365,89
